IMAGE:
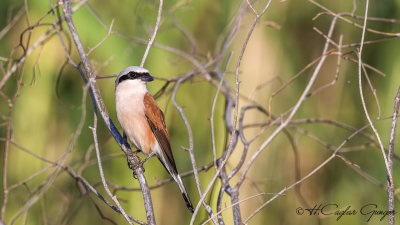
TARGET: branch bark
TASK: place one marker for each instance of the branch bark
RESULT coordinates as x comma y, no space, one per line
390,157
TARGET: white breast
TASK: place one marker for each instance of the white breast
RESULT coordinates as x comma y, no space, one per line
130,110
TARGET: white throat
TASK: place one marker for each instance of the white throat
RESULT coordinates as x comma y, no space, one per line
130,87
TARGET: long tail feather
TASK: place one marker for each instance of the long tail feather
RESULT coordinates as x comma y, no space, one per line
174,173
178,180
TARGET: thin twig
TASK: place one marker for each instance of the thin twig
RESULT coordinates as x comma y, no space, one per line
295,108
359,54
191,152
103,180
237,203
231,145
329,12
212,123
52,177
11,23
75,176
390,157
102,41
5,156
153,36
318,168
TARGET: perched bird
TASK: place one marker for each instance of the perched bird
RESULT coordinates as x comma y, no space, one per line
143,122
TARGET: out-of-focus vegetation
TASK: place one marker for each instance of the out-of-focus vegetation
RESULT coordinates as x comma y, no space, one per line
47,108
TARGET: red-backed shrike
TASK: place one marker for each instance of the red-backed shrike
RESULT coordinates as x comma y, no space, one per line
143,122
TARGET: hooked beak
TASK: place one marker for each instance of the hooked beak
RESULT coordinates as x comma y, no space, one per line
147,78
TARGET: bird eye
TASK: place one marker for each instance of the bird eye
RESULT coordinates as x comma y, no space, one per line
131,75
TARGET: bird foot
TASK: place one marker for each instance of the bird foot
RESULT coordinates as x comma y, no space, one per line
140,164
132,158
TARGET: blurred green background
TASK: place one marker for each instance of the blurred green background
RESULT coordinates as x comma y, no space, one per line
49,108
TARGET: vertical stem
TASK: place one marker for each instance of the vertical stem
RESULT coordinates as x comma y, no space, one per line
5,160
153,36
390,157
237,218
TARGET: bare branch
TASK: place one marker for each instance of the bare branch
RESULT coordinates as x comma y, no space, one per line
103,180
295,108
153,36
362,95
390,157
